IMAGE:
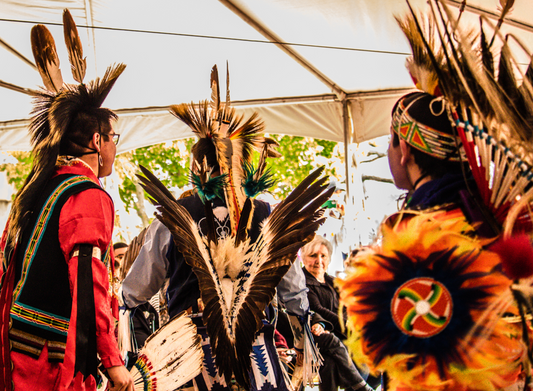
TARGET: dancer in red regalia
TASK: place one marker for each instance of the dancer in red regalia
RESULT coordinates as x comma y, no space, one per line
56,301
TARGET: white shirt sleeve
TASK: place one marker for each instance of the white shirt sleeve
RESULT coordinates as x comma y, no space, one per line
149,270
292,290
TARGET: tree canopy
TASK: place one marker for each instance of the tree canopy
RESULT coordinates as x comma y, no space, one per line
170,162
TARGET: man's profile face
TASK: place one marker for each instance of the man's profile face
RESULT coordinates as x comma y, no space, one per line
398,171
119,257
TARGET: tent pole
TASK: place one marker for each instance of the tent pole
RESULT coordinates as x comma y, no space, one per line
16,88
347,141
274,38
14,51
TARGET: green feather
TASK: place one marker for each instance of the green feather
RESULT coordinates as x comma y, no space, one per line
212,188
252,186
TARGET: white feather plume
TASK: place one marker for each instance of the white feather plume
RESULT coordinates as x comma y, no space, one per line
171,356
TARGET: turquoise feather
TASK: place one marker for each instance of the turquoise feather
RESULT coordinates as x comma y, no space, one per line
254,186
212,188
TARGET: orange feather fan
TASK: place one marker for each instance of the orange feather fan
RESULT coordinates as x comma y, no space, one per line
426,306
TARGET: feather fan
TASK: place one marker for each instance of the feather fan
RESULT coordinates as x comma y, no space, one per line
171,357
458,341
236,293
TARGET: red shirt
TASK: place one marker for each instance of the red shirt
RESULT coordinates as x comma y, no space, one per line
86,218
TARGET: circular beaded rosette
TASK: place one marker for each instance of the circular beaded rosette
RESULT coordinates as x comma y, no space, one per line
422,307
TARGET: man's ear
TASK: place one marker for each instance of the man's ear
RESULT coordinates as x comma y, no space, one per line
405,149
96,141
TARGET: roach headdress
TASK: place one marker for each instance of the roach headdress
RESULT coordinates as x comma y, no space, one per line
487,98
225,146
56,108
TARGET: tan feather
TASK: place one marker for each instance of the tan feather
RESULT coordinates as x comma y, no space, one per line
505,7
131,254
228,101
215,90
78,63
44,51
420,66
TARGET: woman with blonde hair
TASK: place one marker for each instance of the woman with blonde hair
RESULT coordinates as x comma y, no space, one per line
338,369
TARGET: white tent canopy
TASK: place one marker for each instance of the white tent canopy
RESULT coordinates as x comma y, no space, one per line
352,51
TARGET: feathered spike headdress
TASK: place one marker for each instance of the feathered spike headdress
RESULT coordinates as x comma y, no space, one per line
55,108
435,290
237,278
492,106
226,141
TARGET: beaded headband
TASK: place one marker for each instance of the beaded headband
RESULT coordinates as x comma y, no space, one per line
424,138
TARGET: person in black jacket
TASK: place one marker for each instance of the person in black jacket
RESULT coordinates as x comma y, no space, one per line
338,369
323,297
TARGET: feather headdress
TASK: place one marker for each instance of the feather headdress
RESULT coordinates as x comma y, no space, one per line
238,278
489,99
432,288
54,108
226,142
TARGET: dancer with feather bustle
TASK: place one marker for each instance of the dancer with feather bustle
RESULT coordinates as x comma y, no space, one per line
56,300
225,252
426,302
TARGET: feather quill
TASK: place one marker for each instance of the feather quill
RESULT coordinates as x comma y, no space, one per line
215,90
78,63
228,100
44,51
506,6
